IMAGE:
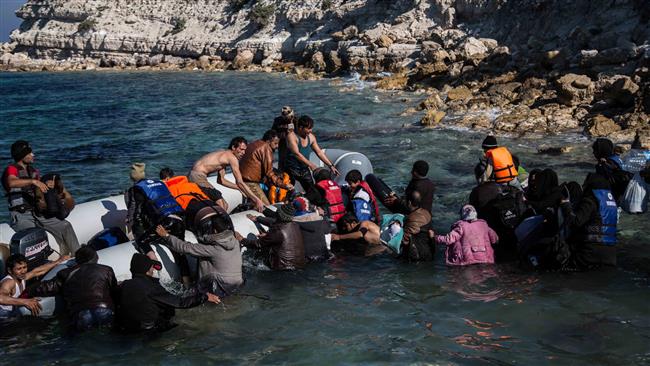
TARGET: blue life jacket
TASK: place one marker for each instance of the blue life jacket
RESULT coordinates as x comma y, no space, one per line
362,210
160,199
604,231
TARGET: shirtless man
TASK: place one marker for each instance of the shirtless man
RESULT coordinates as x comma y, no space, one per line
14,284
217,162
366,231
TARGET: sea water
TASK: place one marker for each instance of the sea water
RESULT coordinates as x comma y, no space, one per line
91,126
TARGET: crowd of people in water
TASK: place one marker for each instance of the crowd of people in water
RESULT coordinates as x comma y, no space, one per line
511,215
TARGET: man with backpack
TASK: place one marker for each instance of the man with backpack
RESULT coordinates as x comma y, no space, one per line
610,166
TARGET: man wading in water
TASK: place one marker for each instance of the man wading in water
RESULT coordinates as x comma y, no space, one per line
217,162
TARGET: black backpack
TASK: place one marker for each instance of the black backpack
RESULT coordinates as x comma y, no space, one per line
509,206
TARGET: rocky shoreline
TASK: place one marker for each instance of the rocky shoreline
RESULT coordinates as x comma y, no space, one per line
509,66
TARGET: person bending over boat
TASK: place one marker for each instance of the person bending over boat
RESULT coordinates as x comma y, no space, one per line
216,162
301,143
149,203
419,183
145,305
313,227
416,243
282,245
256,166
21,180
185,191
12,286
89,290
218,251
357,238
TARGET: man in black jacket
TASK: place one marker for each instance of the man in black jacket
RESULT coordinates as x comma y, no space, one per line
419,183
88,289
146,305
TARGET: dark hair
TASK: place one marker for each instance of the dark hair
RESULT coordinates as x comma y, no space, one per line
213,225
415,199
15,259
235,142
269,135
321,174
348,218
421,168
166,173
353,176
305,122
85,254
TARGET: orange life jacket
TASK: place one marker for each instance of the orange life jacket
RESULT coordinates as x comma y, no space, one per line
334,197
503,167
185,191
277,194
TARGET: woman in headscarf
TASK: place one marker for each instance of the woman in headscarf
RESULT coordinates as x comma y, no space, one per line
470,240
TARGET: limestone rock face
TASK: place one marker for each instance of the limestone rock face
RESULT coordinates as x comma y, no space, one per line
600,125
574,89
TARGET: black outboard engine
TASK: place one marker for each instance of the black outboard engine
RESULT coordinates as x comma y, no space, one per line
33,244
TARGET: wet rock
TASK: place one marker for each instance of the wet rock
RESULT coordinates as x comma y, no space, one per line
506,91
459,93
430,69
333,61
432,118
573,89
474,121
203,62
243,59
393,82
601,126
611,56
622,91
434,101
434,52
409,111
633,120
554,150
318,62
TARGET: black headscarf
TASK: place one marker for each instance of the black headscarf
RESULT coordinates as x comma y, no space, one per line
603,148
543,191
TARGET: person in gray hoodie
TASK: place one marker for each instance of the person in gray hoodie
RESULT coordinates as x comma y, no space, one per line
218,252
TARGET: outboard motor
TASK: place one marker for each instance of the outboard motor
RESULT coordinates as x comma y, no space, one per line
33,244
345,161
107,238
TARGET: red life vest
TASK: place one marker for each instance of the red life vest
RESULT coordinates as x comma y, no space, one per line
334,197
373,200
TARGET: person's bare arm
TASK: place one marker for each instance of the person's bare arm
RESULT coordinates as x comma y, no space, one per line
15,182
221,179
234,165
292,144
6,298
321,155
350,236
43,269
68,200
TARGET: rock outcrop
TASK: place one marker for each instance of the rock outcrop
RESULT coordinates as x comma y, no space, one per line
514,65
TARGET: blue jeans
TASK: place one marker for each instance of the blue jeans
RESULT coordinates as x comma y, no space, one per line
91,318
5,314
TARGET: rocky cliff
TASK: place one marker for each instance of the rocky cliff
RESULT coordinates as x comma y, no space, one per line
544,65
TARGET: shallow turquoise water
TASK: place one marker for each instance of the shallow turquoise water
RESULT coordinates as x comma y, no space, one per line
90,126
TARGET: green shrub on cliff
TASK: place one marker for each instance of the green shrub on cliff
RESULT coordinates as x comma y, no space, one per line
326,5
179,25
261,14
86,25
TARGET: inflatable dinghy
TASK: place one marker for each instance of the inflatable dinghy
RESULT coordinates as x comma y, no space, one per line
93,217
